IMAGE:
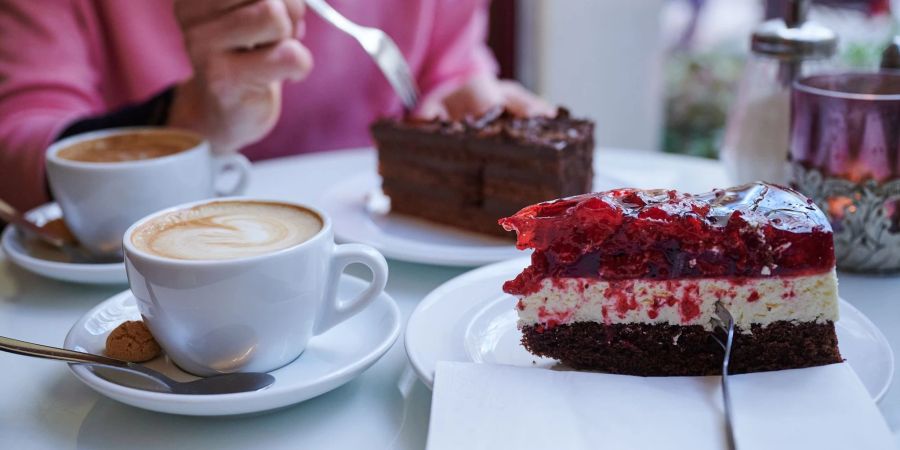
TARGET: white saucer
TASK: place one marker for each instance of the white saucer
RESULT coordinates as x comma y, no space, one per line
329,361
469,318
42,259
360,214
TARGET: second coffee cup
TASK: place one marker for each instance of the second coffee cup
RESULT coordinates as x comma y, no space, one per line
106,180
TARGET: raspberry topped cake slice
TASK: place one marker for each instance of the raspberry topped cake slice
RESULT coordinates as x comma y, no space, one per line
626,281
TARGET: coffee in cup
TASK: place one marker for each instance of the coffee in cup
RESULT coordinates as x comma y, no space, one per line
226,230
129,147
106,180
240,284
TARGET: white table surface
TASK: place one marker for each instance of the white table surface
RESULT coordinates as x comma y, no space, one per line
42,405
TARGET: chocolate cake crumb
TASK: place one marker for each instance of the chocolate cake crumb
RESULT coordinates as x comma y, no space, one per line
132,341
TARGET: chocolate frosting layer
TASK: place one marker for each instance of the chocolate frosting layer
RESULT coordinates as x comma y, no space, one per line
556,132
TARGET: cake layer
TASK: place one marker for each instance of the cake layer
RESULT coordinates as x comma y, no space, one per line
438,159
466,186
397,188
521,190
460,216
685,302
447,200
668,350
755,230
466,169
443,199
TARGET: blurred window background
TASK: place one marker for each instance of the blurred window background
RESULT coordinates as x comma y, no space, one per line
660,74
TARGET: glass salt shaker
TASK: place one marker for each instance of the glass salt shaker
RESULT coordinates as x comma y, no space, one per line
757,131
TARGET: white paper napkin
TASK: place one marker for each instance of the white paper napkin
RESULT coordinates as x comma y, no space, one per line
487,406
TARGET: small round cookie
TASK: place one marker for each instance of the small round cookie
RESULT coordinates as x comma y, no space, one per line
132,341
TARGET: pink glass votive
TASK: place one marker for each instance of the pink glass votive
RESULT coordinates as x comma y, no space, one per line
845,155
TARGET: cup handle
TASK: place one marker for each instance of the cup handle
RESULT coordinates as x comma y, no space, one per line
237,162
334,310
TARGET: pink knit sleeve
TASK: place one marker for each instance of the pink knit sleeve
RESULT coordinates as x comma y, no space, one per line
46,81
457,50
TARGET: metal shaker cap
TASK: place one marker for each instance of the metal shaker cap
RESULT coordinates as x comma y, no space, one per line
792,37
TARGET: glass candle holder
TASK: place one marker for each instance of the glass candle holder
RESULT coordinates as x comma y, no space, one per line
844,147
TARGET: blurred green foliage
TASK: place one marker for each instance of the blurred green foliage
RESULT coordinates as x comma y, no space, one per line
699,90
860,55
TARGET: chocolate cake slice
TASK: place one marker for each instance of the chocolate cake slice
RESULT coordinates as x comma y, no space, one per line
470,173
626,281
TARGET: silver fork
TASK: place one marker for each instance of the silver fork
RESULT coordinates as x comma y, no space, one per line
725,322
380,47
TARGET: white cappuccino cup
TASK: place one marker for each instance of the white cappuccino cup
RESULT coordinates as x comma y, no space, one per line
239,284
106,180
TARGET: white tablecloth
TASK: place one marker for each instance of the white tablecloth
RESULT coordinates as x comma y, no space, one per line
43,406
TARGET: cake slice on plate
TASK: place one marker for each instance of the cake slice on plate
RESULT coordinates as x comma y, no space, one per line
626,281
470,173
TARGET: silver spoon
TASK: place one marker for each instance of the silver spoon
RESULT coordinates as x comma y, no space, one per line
11,215
220,384
61,239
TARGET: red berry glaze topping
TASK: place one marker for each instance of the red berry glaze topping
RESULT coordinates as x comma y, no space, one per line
754,230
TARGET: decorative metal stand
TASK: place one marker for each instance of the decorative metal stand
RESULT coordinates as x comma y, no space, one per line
864,216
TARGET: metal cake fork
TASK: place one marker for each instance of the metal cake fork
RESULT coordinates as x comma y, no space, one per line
725,322
380,47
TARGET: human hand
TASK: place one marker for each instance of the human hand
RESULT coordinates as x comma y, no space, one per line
480,94
241,51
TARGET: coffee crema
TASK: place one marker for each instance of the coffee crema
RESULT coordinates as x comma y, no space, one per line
130,147
226,230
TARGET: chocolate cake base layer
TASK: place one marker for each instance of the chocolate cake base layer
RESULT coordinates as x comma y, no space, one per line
667,350
459,216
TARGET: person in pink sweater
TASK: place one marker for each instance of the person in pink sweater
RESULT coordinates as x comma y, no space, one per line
262,77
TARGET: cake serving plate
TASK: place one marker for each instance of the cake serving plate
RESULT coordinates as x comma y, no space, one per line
470,319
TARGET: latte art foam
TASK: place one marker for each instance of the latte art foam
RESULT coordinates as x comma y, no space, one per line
226,230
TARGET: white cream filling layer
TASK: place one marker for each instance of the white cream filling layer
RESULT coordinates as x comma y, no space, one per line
808,298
